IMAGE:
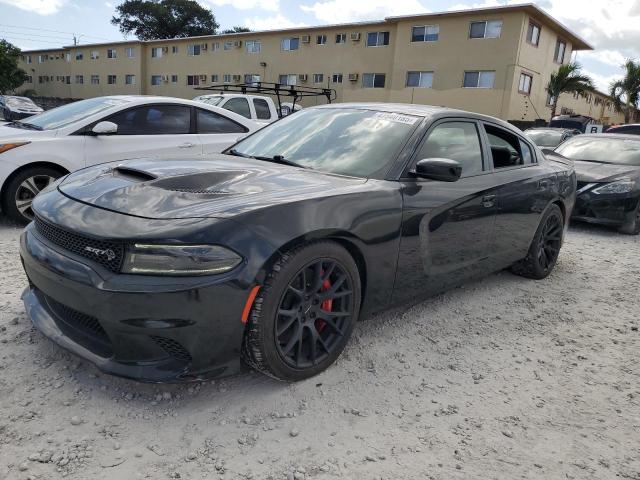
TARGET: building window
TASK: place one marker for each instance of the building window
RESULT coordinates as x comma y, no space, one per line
228,45
174,49
193,80
67,79
251,78
289,44
79,55
253,46
41,58
193,50
95,55
130,79
79,79
174,79
29,79
525,83
156,80
318,77
373,80
130,52
341,38
479,79
288,79
226,78
420,79
28,59
111,79
336,78
67,57
425,33
214,78
377,39
486,29
533,34
561,47
156,52
112,53
321,40
215,46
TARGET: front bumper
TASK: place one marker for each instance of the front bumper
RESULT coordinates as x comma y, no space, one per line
147,328
605,209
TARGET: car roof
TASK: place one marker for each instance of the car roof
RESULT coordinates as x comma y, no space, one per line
427,111
625,125
550,129
621,136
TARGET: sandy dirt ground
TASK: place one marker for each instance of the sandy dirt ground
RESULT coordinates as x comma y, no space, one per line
501,379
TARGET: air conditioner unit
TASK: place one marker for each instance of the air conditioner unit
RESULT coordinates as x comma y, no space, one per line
305,39
355,37
353,77
303,77
237,43
203,78
165,78
204,46
165,49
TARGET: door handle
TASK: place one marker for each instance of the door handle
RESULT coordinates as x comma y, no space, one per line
488,201
187,145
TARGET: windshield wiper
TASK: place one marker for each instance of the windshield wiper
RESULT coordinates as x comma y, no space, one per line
236,153
275,159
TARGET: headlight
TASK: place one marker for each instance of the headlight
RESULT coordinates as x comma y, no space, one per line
624,186
4,147
147,259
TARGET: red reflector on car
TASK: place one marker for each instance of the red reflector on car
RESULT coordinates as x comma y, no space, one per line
247,306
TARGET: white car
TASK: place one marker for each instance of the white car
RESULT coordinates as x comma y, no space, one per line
258,108
37,150
14,108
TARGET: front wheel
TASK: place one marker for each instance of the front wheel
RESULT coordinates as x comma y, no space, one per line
304,314
632,226
23,188
545,247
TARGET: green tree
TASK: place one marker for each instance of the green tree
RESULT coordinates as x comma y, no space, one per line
11,77
157,19
237,29
568,79
626,92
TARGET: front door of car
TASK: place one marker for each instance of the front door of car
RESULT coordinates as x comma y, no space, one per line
216,131
447,226
148,130
526,188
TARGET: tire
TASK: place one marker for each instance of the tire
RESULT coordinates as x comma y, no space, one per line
270,346
6,115
545,247
632,226
21,190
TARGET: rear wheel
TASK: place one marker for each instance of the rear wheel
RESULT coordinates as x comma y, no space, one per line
304,314
545,247
23,188
632,226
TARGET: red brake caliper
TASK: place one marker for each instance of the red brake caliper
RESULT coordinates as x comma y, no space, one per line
326,305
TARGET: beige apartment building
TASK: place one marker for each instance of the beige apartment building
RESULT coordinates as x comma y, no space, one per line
495,61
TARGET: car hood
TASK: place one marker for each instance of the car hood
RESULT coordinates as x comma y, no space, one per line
219,186
602,172
8,133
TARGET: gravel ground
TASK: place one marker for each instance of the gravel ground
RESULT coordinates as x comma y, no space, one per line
505,378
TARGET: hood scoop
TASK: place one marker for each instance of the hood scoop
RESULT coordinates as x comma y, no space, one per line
200,191
134,173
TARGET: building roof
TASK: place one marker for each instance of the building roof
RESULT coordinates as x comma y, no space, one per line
577,42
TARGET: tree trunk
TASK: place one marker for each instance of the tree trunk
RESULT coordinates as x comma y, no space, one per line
553,108
627,112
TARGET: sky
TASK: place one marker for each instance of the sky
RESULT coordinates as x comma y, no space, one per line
611,26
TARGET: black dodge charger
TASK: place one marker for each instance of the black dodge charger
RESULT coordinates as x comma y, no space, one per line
175,270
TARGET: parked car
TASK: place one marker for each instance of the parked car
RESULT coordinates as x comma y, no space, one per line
608,172
15,108
36,151
258,108
546,137
628,129
168,271
576,122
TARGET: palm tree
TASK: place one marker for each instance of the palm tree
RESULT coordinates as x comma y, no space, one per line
568,79
626,92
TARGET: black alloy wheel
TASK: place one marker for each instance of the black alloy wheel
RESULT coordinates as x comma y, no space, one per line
313,314
550,242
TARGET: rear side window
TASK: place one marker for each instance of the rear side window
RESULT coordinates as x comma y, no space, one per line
262,109
527,154
211,122
457,141
154,120
239,106
507,148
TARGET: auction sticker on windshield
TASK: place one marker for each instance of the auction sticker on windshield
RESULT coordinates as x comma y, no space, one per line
396,117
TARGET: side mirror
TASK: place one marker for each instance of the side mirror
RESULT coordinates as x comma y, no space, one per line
441,169
549,151
104,128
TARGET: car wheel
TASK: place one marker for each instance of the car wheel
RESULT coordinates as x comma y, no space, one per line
545,247
23,188
6,115
304,314
632,226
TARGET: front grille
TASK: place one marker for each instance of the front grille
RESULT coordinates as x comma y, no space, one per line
109,254
80,327
173,348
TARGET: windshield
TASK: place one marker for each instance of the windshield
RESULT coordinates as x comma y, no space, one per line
19,102
336,140
73,112
618,151
544,138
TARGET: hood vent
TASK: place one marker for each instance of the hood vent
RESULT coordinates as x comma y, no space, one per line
135,173
199,191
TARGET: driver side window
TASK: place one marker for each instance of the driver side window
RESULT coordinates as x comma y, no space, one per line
506,148
456,141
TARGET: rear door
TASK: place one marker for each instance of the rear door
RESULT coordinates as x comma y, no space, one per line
216,131
147,130
447,226
525,188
